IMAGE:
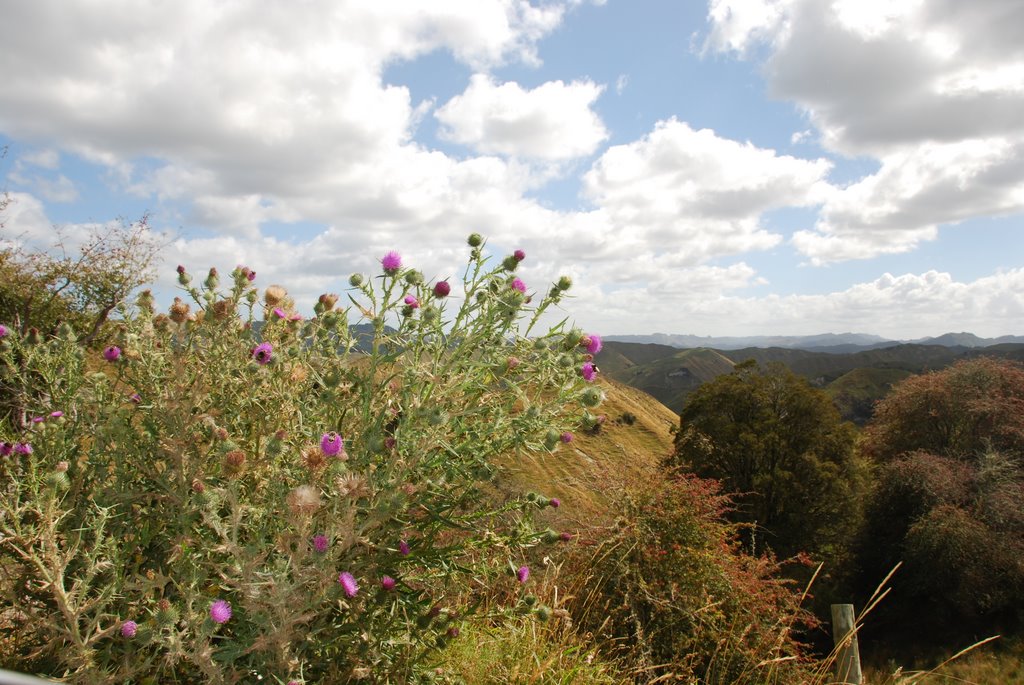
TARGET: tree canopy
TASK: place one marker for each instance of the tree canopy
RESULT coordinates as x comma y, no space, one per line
781,446
948,498
959,412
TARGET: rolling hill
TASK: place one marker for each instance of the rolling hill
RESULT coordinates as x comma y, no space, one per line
860,378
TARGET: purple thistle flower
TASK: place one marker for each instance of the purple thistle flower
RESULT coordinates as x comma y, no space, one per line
519,255
517,284
595,344
135,397
403,548
112,353
412,301
565,537
295,317
555,502
56,414
38,419
6,449
129,628
442,288
348,583
388,583
279,313
320,543
588,371
251,275
262,353
391,262
331,444
3,331
23,448
220,611
523,574
567,437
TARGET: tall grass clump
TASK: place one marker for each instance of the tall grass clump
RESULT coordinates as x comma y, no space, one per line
231,492
672,594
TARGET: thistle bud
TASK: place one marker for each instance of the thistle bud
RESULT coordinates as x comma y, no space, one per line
564,283
304,500
355,280
234,463
274,295
328,300
591,397
509,263
212,279
475,240
145,301
166,615
179,311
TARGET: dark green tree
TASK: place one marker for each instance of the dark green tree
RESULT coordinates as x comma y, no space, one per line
780,444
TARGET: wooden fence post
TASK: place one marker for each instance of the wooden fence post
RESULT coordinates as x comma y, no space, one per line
847,651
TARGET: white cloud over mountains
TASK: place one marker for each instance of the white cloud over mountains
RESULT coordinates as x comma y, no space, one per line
237,116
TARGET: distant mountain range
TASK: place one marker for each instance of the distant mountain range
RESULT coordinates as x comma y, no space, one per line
837,343
855,378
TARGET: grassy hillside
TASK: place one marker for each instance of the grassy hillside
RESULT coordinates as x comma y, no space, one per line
633,439
670,379
855,393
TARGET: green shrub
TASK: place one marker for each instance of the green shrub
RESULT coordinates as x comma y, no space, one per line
233,492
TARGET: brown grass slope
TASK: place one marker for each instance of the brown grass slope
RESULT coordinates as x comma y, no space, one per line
587,473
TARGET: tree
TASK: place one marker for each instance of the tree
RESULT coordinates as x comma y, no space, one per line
948,499
79,287
781,445
960,412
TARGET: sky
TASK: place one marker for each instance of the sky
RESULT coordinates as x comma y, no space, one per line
730,167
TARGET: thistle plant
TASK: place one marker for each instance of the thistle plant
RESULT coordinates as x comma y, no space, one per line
230,491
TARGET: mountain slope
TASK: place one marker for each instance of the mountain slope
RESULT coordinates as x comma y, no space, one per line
585,473
670,378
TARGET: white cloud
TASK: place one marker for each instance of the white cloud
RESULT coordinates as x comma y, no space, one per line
552,122
904,306
933,90
698,193
916,189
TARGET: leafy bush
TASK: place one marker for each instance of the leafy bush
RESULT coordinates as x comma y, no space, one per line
961,412
948,499
959,530
781,446
235,492
670,586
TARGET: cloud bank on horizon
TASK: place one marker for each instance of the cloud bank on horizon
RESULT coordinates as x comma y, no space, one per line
747,166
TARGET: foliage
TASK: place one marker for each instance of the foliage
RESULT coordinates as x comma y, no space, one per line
960,412
949,497
959,529
778,443
79,287
216,506
670,587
